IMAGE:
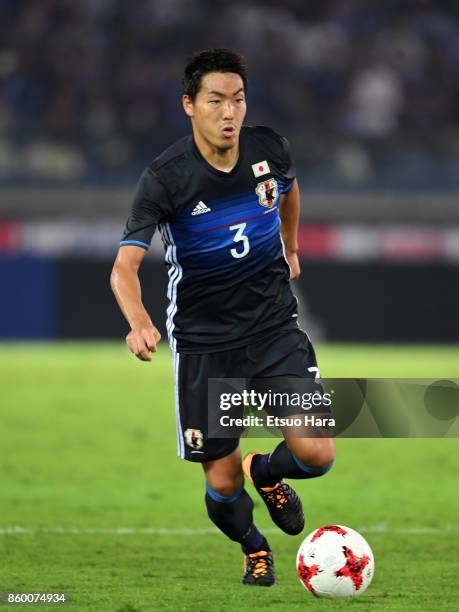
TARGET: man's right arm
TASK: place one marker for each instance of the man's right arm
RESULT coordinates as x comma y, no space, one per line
143,338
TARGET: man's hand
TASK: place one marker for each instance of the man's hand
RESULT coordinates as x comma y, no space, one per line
294,264
142,341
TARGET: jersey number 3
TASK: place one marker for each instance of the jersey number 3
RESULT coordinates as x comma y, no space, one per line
240,237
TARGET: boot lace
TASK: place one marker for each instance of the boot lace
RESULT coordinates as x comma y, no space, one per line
277,496
258,563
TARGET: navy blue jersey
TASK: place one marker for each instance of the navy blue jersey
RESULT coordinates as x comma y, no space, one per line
228,277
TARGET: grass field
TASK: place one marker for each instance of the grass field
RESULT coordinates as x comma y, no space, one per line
88,448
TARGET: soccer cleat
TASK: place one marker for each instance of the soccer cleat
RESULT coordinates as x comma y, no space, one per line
259,569
284,505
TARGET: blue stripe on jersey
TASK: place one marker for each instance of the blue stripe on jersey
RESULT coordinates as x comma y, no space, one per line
236,211
234,239
235,203
217,254
241,197
136,242
225,221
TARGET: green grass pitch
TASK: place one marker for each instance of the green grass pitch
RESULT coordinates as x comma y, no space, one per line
87,444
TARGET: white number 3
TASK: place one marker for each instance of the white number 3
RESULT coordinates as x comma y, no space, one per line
239,237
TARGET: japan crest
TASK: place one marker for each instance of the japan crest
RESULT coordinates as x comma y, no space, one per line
267,192
194,438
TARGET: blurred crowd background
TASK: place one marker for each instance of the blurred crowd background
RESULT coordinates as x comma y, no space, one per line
367,92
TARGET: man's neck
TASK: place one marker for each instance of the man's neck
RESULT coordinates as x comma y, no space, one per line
221,159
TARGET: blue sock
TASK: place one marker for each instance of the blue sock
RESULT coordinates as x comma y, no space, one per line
233,516
267,470
261,472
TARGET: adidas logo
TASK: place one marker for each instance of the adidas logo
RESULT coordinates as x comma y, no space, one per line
200,209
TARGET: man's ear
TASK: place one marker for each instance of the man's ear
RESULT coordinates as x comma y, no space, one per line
188,106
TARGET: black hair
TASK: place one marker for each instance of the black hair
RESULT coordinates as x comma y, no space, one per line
211,60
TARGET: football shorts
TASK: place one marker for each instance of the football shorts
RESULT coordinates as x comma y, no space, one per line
286,353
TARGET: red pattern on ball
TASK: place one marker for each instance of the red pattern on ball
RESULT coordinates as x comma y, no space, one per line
322,530
305,573
353,568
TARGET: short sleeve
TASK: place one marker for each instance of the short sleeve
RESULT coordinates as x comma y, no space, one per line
288,166
150,206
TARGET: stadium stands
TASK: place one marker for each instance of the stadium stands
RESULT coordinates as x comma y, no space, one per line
366,92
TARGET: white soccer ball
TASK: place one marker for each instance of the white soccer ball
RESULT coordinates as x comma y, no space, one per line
335,561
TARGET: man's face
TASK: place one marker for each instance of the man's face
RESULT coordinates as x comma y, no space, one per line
218,109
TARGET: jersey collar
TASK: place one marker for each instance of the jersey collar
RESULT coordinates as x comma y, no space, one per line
215,171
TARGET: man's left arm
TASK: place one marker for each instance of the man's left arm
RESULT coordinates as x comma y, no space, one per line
289,211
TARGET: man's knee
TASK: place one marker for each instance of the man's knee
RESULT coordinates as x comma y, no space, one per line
325,453
225,487
224,476
316,453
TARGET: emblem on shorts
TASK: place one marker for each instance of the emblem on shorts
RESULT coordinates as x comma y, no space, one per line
267,192
194,438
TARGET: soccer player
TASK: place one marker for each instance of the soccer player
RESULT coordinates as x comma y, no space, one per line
226,202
